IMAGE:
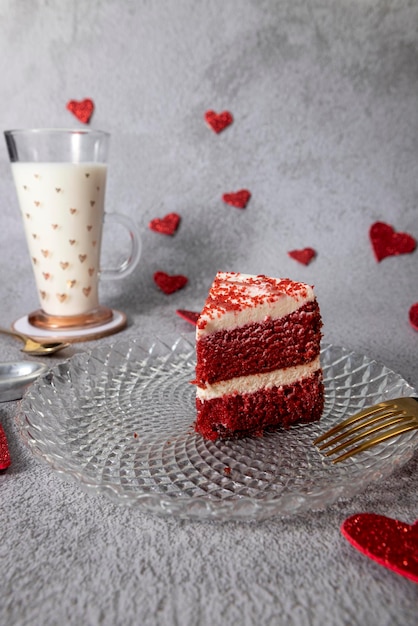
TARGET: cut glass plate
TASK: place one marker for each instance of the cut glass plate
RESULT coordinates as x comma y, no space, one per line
119,421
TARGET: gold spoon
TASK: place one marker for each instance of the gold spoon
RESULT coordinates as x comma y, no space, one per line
35,347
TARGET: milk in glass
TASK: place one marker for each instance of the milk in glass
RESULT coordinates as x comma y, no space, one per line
62,206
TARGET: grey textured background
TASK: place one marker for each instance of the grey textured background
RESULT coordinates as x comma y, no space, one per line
324,96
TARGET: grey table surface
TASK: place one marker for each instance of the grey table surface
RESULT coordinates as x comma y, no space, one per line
324,97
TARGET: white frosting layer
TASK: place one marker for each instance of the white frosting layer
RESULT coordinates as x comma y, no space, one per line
249,299
250,384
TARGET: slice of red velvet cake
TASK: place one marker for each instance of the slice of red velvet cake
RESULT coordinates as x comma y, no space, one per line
257,348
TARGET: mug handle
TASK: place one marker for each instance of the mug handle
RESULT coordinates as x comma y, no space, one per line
131,261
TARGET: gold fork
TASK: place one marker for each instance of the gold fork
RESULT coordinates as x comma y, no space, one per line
388,419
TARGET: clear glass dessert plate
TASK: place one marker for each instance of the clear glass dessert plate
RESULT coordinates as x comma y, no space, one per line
119,421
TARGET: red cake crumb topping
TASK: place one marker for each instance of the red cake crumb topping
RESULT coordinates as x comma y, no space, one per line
237,295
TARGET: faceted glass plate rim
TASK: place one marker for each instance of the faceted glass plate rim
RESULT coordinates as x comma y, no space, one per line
40,432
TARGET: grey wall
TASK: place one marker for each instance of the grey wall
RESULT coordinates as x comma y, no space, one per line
324,96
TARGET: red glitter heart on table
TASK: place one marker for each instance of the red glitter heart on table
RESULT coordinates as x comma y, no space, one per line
387,541
189,316
238,199
413,316
5,459
218,121
169,284
165,225
304,256
83,110
387,242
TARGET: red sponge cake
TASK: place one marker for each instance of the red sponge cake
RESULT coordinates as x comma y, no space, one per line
257,349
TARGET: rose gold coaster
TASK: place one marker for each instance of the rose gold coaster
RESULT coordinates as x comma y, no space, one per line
117,323
96,317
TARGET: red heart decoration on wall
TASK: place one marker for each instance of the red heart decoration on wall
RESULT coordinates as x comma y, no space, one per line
5,459
387,541
413,315
169,284
165,225
304,256
189,316
238,199
386,242
218,121
83,110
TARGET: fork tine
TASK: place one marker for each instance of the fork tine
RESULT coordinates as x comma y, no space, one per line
381,421
365,433
401,428
351,420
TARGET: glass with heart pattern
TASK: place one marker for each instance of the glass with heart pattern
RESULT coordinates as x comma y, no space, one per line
60,179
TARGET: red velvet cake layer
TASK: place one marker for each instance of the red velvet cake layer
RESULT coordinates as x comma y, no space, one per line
235,415
260,347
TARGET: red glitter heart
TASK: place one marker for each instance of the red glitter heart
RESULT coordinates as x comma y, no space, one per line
169,284
165,225
238,199
304,256
413,316
386,242
5,459
189,316
387,541
218,121
83,110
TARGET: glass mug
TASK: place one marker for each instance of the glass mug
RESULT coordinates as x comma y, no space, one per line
60,179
